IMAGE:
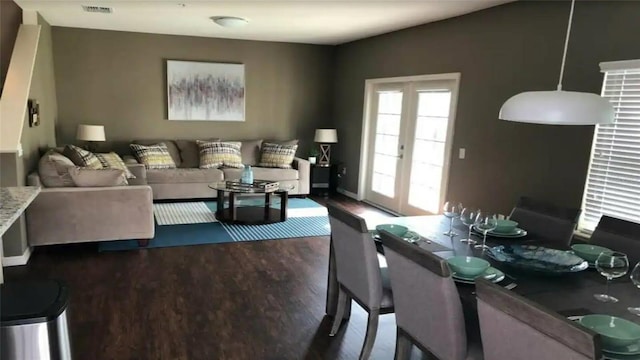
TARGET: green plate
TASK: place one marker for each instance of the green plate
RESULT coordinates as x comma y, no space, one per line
633,349
491,273
517,233
410,236
617,334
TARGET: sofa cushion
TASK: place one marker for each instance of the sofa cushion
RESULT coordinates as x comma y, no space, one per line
171,147
53,170
114,161
259,173
277,156
82,157
250,151
283,142
214,154
153,156
190,153
83,177
172,176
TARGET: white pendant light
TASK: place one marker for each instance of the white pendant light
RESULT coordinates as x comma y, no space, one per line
558,107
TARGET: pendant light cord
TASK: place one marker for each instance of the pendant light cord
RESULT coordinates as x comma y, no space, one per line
566,45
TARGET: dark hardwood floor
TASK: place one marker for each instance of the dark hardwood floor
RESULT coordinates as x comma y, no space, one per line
251,300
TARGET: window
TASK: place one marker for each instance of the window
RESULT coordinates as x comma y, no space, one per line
613,180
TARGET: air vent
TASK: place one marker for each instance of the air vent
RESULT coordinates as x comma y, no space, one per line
97,9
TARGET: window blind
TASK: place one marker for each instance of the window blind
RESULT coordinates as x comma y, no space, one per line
613,180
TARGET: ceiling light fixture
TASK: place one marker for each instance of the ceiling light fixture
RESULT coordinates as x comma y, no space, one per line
558,107
229,21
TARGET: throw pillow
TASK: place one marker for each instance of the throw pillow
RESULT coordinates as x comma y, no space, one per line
153,156
53,170
82,157
83,177
214,154
277,156
114,161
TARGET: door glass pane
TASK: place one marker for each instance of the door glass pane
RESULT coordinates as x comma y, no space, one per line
427,161
387,134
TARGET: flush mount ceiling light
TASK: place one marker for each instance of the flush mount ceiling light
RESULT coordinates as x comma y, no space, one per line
229,21
558,107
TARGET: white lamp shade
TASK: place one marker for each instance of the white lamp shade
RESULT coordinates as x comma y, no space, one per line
558,107
90,133
326,136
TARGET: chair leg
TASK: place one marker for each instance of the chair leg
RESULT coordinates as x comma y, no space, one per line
403,346
337,318
370,337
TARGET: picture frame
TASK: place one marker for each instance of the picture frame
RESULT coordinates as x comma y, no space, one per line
205,91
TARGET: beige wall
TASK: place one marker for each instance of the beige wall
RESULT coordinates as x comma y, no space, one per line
118,79
15,169
499,51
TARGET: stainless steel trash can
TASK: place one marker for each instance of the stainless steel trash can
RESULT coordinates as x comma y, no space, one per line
34,321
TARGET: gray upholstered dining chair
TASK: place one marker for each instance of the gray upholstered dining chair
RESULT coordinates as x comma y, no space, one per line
545,221
358,271
513,327
429,312
619,235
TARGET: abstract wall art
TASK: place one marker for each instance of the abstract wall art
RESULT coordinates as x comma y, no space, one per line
205,91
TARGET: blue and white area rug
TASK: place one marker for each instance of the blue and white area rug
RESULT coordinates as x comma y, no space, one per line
194,223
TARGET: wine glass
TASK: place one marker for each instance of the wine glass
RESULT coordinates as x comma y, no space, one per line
611,265
451,211
635,277
485,224
469,217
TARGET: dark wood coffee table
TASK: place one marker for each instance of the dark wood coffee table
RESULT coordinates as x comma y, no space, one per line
250,215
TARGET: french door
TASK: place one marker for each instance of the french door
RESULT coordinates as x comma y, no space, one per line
409,128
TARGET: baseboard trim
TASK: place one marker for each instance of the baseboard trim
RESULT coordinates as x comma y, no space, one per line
347,193
17,260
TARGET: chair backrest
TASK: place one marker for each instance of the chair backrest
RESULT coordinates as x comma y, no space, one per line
546,221
425,298
513,327
357,266
619,235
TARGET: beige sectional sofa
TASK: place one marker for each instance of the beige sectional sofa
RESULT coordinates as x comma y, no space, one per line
188,181
68,214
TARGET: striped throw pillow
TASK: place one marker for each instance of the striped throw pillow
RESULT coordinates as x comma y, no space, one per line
114,161
215,154
82,157
277,155
153,156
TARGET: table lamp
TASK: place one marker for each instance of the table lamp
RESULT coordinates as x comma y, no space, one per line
325,137
90,134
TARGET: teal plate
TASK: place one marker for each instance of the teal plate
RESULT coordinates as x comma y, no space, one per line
633,349
410,236
491,273
518,233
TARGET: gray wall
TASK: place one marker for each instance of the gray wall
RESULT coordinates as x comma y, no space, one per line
14,170
500,51
118,79
10,20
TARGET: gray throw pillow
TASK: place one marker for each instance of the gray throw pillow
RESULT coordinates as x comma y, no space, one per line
83,177
53,170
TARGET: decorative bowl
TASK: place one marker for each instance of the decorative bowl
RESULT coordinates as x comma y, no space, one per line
589,252
506,226
468,266
397,230
538,258
614,331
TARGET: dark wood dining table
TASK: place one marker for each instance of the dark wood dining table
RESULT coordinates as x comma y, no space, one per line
568,294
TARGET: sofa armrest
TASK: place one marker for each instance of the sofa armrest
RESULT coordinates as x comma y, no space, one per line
304,173
140,172
68,215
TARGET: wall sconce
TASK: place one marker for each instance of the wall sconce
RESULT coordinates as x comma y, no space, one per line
34,113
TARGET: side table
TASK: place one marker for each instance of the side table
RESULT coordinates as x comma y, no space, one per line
322,179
